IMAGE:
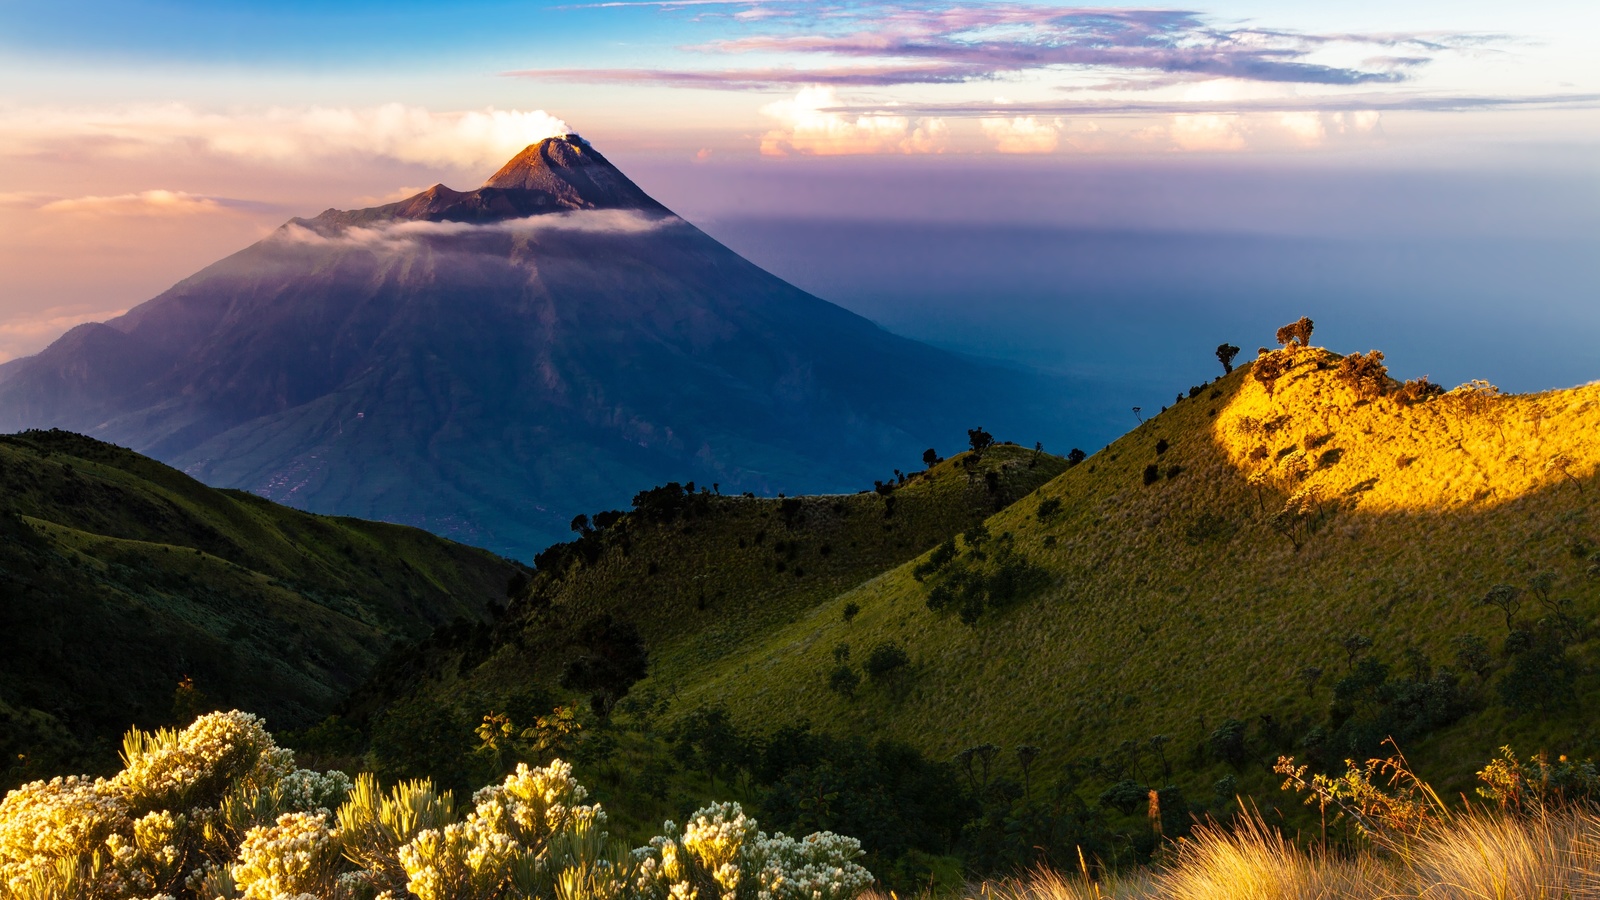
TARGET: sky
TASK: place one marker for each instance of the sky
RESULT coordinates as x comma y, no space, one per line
1099,190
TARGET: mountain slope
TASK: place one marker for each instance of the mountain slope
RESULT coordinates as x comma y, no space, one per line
122,577
1202,565
700,577
485,364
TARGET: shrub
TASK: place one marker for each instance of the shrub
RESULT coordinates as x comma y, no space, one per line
1269,367
1151,474
1227,743
843,681
1418,390
979,440
1296,333
1366,375
1076,456
886,659
1048,508
850,611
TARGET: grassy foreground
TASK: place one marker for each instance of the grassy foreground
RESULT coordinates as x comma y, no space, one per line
1477,857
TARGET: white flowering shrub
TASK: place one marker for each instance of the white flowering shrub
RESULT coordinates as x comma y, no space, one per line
217,811
820,866
720,852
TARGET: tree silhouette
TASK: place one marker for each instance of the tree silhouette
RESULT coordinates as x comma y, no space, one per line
930,457
1225,355
979,439
1505,598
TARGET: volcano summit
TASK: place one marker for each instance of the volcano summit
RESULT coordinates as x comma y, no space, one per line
487,364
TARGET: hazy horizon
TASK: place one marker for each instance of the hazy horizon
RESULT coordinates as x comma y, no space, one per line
1103,192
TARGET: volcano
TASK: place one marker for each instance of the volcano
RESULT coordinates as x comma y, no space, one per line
488,364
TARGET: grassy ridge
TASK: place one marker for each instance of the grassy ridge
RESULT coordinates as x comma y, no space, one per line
1179,598
123,576
701,578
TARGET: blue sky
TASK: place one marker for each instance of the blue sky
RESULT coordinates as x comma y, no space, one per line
141,140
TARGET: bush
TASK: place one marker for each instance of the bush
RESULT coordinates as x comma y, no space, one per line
1151,474
1227,743
1296,333
979,440
844,681
1366,375
886,659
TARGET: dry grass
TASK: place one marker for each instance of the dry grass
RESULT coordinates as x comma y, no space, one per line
1477,856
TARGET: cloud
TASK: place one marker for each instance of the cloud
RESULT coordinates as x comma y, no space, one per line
1364,103
143,203
397,235
32,332
761,79
282,136
806,128
1208,132
1023,134
944,42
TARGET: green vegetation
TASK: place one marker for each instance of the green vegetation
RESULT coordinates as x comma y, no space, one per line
136,595
1025,658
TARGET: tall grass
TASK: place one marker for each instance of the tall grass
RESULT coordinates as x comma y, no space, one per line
1475,856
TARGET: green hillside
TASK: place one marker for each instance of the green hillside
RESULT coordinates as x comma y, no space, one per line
699,577
1303,552
122,577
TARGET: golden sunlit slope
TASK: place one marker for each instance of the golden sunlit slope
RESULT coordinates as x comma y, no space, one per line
1198,567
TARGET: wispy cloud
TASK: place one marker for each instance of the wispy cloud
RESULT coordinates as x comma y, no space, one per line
30,332
281,136
963,42
1363,102
398,235
146,203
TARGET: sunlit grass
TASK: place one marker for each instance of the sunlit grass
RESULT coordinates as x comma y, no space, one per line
1479,856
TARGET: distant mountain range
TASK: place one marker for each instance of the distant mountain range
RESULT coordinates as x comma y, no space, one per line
487,364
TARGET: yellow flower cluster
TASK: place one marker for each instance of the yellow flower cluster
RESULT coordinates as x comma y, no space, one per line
61,819
293,857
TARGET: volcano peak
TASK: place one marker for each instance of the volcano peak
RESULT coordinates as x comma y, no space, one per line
572,171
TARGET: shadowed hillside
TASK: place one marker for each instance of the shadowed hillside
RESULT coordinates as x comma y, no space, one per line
122,578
